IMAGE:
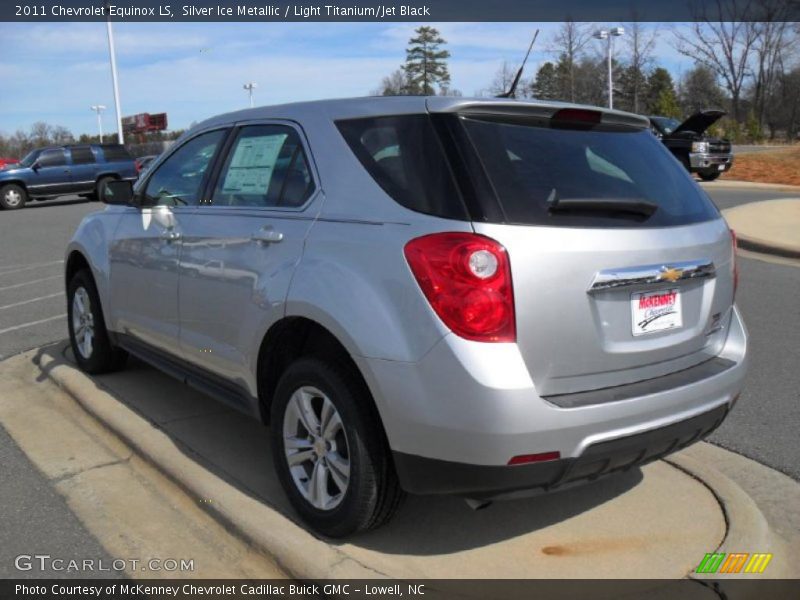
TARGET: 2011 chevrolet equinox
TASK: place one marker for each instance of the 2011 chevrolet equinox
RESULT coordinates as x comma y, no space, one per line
485,298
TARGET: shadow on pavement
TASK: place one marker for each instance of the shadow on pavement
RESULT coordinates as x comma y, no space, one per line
236,448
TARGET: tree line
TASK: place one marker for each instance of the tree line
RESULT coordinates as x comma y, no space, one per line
749,68
42,134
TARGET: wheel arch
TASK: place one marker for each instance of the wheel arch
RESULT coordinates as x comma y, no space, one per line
294,337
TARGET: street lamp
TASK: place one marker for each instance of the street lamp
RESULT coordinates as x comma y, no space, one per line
609,34
250,86
98,108
113,56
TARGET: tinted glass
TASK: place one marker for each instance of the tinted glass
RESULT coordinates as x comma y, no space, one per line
266,167
81,155
29,158
666,124
115,152
179,179
52,158
532,166
404,156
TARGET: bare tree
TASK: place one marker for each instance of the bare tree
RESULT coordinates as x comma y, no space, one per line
395,84
639,41
723,37
503,78
773,40
568,44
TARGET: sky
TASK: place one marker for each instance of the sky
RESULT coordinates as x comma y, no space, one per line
54,72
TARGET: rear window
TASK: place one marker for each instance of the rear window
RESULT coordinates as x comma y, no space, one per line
114,153
531,166
404,156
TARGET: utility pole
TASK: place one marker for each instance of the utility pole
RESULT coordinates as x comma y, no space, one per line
99,108
609,35
114,81
250,86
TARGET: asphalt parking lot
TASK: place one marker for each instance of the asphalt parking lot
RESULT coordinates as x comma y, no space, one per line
33,313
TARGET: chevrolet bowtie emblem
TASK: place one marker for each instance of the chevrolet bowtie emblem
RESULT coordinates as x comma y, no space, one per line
670,274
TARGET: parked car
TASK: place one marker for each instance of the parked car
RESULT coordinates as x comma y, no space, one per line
485,298
4,162
705,155
62,170
143,162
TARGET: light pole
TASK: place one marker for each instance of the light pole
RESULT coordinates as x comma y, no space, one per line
610,34
98,108
113,56
250,86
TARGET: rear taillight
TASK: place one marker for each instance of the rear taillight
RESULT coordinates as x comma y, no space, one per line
467,280
734,264
138,166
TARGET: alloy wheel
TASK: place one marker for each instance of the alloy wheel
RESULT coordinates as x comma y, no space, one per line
83,322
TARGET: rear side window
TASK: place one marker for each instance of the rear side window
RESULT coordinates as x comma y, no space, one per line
52,158
115,153
404,156
532,166
81,155
266,167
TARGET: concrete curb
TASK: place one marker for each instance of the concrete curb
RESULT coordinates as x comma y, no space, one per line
290,545
735,183
287,543
767,226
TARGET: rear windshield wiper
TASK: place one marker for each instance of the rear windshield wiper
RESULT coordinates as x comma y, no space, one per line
634,206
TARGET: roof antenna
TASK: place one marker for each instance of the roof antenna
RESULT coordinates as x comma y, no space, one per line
512,90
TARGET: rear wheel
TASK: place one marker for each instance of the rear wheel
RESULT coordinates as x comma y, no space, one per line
13,196
100,188
90,342
330,455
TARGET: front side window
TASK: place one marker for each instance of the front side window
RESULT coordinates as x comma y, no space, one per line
179,179
266,167
52,158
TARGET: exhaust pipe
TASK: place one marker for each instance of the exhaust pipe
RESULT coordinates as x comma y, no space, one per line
477,504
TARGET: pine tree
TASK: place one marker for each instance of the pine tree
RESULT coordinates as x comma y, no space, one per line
426,64
661,97
546,85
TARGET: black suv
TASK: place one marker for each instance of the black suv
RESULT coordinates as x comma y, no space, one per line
707,156
61,170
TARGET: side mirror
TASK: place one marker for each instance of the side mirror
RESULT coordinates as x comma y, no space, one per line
36,166
119,192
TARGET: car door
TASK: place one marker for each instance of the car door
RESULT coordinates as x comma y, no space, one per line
84,166
148,240
50,174
240,249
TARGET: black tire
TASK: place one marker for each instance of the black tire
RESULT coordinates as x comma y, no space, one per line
373,493
13,196
100,187
709,175
102,356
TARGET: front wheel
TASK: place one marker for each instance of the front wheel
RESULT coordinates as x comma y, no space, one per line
709,175
13,196
329,452
90,342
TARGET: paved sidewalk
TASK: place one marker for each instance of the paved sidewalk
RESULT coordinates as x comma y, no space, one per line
657,522
771,226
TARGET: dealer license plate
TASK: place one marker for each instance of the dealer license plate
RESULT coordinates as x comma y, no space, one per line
656,311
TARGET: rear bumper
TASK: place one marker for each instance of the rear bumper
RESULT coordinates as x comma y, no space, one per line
710,162
456,418
430,476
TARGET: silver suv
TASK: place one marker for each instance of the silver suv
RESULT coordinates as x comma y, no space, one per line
485,298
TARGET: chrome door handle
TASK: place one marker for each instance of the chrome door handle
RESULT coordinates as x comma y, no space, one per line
171,236
267,235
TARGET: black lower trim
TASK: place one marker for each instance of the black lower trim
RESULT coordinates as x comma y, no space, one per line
420,475
704,370
192,375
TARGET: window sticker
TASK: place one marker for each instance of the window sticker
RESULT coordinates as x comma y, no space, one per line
253,162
